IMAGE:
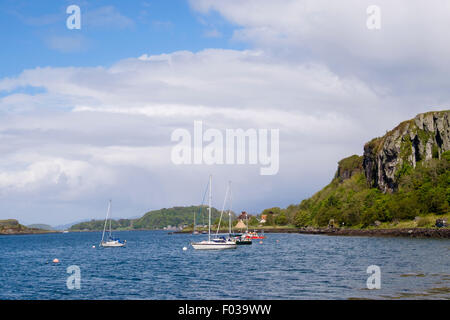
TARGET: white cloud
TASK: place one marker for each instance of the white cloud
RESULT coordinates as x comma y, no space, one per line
64,178
118,121
410,47
226,87
316,73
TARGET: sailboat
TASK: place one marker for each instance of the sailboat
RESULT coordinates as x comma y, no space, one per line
242,239
200,212
238,238
110,242
216,243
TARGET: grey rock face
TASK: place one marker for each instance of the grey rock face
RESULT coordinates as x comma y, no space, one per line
348,167
425,137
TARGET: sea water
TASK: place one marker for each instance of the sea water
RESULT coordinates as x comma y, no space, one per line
154,265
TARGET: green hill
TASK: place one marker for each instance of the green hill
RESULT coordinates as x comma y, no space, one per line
41,226
421,192
12,226
401,180
157,219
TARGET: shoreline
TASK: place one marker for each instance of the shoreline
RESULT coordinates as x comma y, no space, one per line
435,233
28,233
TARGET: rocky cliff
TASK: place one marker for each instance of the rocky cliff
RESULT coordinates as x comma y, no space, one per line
401,181
425,137
348,167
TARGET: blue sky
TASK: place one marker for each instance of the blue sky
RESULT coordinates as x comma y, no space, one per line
87,115
34,33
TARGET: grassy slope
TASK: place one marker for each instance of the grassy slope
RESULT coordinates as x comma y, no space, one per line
423,196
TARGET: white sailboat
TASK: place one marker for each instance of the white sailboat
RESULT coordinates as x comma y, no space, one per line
110,242
216,243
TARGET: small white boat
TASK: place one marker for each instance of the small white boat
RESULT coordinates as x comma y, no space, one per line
113,243
110,242
214,244
217,243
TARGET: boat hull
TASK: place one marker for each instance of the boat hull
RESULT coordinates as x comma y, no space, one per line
111,244
243,242
210,245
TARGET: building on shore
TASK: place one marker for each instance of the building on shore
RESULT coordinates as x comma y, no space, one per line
240,225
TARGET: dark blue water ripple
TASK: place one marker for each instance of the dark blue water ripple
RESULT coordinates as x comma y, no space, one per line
154,266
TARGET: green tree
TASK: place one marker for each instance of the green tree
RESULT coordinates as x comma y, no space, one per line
281,219
302,219
274,210
270,221
253,221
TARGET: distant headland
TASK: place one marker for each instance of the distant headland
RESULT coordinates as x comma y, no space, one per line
12,226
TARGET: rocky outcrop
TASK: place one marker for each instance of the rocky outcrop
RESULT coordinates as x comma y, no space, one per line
425,137
348,167
12,226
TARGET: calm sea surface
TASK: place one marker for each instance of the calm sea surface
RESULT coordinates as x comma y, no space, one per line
284,266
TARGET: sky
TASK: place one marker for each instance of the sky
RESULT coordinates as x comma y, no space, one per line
86,115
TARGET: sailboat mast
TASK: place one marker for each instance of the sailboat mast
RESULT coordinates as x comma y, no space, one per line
110,229
109,218
209,209
246,216
223,209
229,210
106,220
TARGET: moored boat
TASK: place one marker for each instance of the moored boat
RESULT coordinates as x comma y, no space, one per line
214,244
243,241
111,241
217,243
253,235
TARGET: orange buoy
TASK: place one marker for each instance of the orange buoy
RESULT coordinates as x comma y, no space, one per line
55,260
